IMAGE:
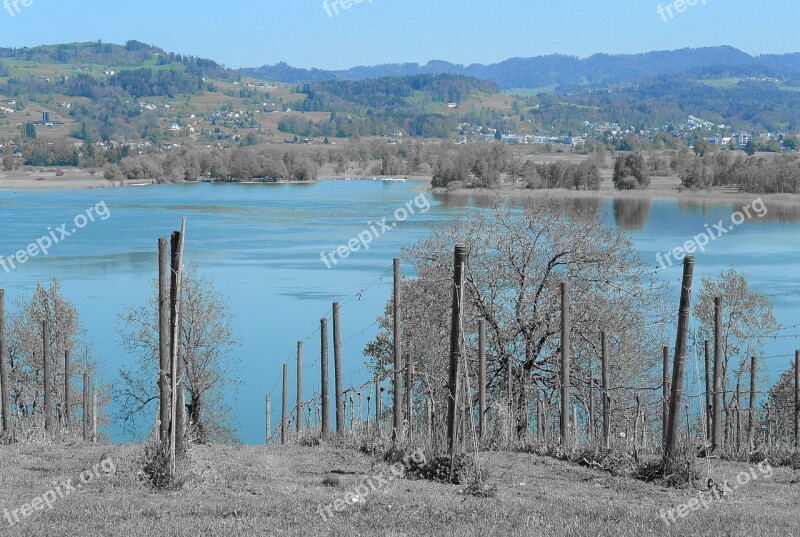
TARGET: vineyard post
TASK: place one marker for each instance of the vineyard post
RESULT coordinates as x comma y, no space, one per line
709,390
410,387
752,407
665,394
85,405
337,370
299,386
797,399
482,378
459,261
177,407
716,425
606,396
397,431
565,365
4,378
163,338
268,419
67,391
325,389
678,369
285,405
590,408
94,413
48,403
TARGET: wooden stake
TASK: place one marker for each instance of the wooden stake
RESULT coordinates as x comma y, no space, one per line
94,414
397,431
456,337
751,411
606,393
709,391
665,394
716,423
797,399
5,393
565,365
482,378
590,407
268,420
67,391
326,411
678,369
285,406
164,339
85,405
177,406
48,389
299,408
337,370
410,388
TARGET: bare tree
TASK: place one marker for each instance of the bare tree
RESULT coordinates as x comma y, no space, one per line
26,360
747,322
206,343
518,258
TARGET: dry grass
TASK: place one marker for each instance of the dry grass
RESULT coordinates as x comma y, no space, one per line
254,491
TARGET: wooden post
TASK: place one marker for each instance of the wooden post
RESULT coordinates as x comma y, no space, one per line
590,407
678,369
797,399
738,418
606,396
665,395
540,425
709,390
285,406
565,365
177,407
456,336
410,388
397,432
716,424
378,396
299,408
337,370
48,388
164,339
94,414
5,393
268,419
482,378
751,411
85,406
67,391
325,391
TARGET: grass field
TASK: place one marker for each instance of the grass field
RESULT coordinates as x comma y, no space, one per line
255,491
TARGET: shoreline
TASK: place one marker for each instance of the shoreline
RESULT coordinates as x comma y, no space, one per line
661,189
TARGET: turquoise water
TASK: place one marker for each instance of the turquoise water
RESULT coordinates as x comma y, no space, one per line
261,244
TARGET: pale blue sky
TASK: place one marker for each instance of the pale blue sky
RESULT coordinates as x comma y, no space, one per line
254,32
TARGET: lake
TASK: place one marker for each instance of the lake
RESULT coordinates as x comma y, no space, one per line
261,244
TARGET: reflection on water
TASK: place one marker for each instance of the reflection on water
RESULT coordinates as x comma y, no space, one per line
631,213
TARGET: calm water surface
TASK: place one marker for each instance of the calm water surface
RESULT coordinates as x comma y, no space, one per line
261,245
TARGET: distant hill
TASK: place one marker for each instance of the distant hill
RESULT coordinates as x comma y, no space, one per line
553,70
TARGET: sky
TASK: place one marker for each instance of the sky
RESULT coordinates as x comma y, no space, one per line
304,33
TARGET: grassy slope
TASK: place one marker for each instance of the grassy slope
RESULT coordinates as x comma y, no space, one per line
253,491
